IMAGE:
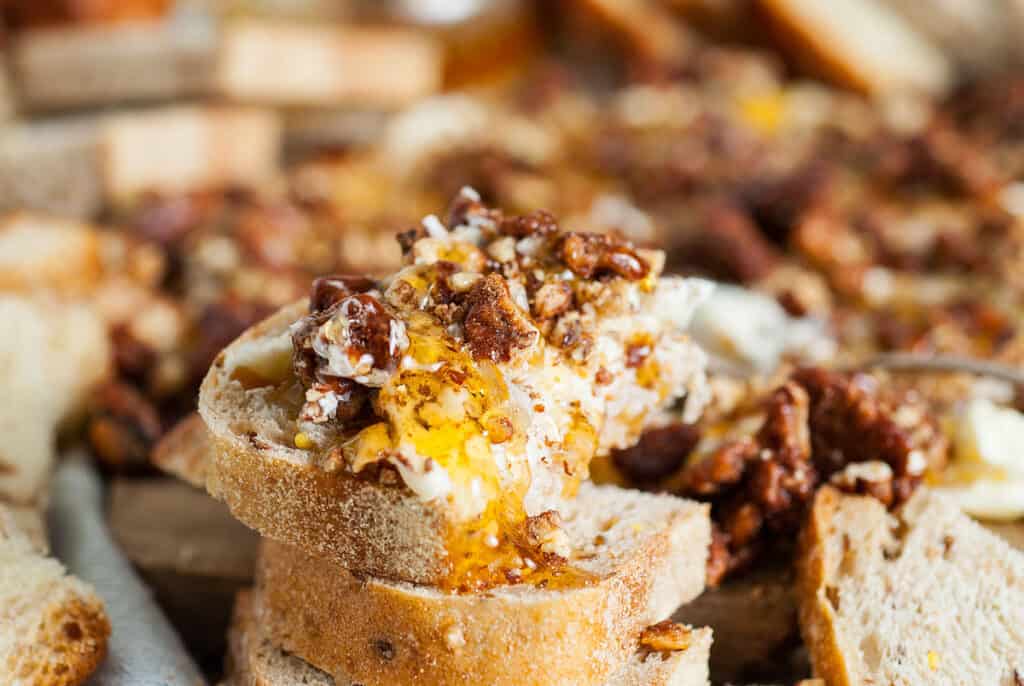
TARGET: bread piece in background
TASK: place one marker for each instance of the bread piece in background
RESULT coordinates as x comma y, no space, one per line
652,39
289,64
254,660
51,354
109,64
980,36
923,596
183,451
174,149
638,557
50,166
53,628
859,44
191,552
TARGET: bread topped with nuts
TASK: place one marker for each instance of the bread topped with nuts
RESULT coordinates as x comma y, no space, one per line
925,596
426,427
637,558
256,661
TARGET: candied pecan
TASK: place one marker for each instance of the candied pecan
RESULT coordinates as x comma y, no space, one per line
329,290
659,453
466,205
407,238
590,254
369,329
552,300
666,636
718,556
133,358
867,478
721,469
728,246
494,325
536,223
122,427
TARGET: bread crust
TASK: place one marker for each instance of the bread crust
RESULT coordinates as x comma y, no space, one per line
379,633
370,528
814,572
253,660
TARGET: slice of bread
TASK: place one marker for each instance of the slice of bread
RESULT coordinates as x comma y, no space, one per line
860,44
46,373
178,148
98,65
340,65
51,166
637,558
184,451
254,660
53,628
925,596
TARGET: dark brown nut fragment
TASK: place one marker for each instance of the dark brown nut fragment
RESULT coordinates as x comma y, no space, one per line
718,556
494,325
122,428
552,300
729,246
466,205
666,636
867,478
589,255
407,238
330,290
537,223
659,453
369,327
721,469
133,358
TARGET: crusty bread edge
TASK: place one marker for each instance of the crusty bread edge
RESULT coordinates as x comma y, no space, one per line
814,570
645,590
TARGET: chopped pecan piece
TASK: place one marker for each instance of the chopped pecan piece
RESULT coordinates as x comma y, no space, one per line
590,254
329,290
666,636
494,324
552,300
537,223
123,427
659,453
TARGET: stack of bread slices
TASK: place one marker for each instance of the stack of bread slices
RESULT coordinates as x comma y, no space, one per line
414,451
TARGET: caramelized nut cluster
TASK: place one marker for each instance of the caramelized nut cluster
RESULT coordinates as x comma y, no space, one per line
810,430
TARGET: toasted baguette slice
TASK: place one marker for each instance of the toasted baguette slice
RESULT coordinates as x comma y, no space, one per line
638,557
45,374
53,628
77,66
254,660
184,451
257,64
184,147
860,44
924,597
